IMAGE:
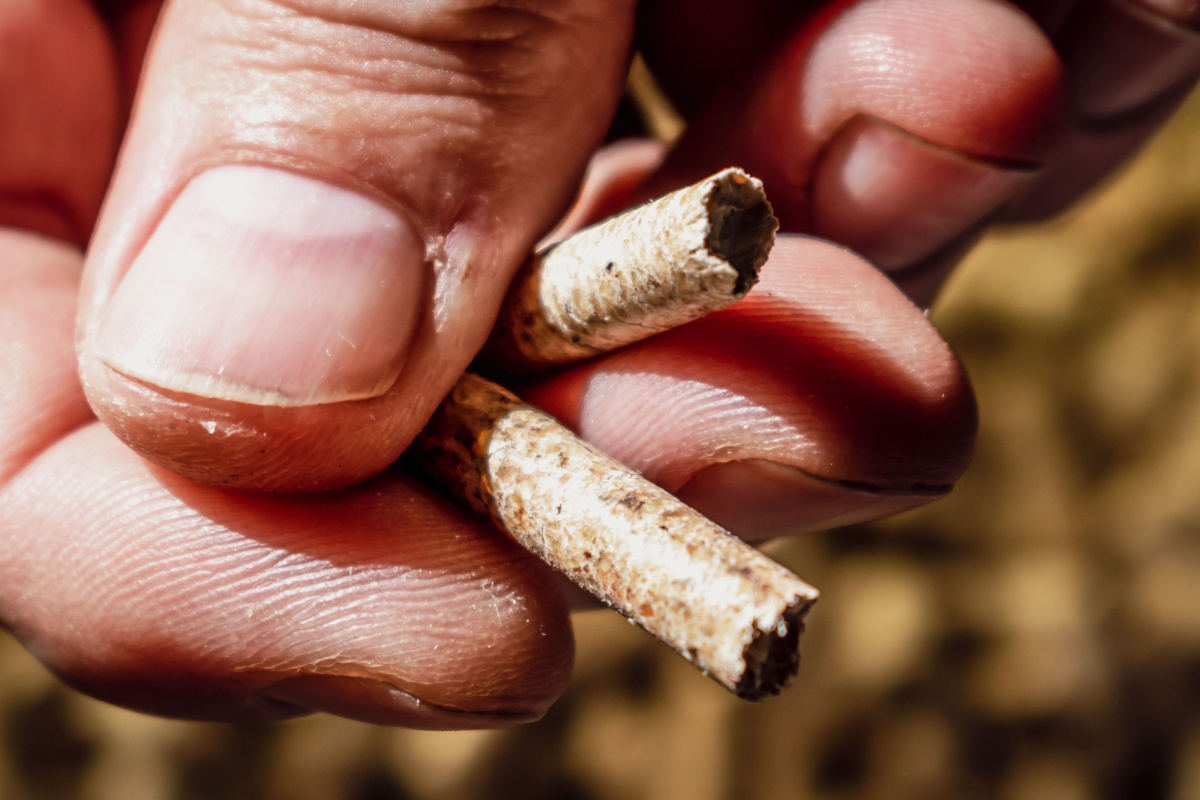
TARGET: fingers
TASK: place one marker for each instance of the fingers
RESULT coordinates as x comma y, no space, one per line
1124,54
58,87
1130,63
381,603
890,126
902,151
904,129
40,396
825,397
317,211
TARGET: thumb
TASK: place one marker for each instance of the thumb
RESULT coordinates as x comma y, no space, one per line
317,211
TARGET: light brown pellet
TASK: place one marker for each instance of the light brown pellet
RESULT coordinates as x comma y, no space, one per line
649,269
722,604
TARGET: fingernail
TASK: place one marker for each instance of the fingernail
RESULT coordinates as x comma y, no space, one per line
757,499
1121,55
263,286
381,703
897,199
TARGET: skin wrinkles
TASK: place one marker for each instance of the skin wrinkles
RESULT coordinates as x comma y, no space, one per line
299,52
385,63
840,408
455,21
520,65
369,555
453,179
443,110
423,85
266,589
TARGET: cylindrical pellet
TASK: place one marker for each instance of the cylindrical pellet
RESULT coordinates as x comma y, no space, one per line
722,604
649,269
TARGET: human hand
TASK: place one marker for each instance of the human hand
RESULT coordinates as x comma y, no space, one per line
829,395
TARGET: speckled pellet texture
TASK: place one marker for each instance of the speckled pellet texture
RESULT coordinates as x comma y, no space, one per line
722,604
651,268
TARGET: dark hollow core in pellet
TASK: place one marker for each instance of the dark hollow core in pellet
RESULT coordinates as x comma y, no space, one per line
773,658
743,228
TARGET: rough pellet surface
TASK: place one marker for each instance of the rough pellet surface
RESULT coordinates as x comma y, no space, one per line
719,602
651,268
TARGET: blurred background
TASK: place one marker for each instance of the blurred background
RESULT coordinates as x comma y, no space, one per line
1036,636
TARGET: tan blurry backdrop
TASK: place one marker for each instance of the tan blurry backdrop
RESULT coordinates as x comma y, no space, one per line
1034,637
